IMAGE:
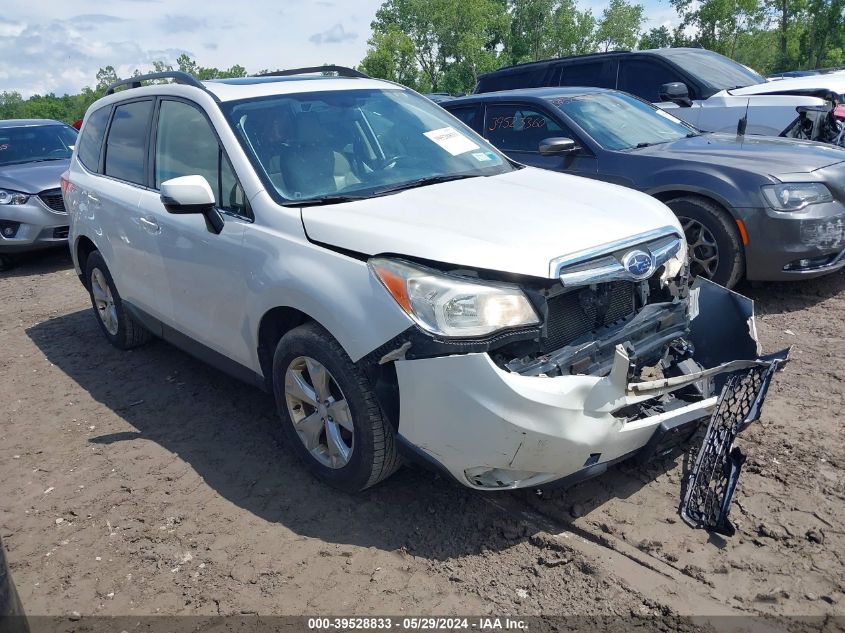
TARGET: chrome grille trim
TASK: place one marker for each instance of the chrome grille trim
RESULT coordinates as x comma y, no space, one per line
605,263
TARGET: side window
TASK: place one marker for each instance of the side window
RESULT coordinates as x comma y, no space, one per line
517,128
470,115
91,139
599,73
643,78
127,140
187,146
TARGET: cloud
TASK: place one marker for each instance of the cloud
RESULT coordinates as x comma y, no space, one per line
182,23
335,35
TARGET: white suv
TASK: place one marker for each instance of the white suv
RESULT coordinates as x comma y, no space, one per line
398,284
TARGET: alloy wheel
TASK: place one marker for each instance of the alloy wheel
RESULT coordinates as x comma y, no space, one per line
319,411
104,301
703,249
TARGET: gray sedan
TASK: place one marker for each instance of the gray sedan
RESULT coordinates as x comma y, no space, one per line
757,207
33,155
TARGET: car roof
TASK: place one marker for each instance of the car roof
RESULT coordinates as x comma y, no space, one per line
667,53
254,87
542,94
6,123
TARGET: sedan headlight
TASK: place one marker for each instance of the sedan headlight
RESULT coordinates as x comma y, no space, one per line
12,197
453,306
794,196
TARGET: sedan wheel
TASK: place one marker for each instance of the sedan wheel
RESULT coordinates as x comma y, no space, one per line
319,412
703,249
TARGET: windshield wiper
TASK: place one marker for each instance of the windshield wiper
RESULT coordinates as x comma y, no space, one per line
333,199
423,182
413,184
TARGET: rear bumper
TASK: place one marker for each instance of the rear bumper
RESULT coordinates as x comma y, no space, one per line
799,245
32,225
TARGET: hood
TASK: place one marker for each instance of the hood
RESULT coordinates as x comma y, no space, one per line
516,222
32,177
834,82
768,155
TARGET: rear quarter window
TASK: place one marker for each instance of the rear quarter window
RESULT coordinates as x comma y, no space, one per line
90,140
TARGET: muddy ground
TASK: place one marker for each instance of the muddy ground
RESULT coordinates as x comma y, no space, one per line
145,482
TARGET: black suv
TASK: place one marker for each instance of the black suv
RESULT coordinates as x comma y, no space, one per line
642,73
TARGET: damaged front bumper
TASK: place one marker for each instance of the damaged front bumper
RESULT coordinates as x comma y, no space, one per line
494,428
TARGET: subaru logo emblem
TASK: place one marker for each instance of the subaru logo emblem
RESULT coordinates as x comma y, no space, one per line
639,263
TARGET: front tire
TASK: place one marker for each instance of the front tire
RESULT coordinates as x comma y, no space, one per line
116,323
330,416
715,248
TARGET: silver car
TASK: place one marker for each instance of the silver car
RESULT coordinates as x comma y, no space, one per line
33,155
398,284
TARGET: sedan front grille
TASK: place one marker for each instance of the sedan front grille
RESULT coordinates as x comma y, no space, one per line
53,199
574,314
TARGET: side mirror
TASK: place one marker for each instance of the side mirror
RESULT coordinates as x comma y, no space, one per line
557,145
676,92
192,194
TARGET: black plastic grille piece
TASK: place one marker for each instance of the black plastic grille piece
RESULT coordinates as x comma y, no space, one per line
574,314
712,481
60,232
53,199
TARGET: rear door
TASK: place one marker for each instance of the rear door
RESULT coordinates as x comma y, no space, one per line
518,128
594,73
134,262
205,273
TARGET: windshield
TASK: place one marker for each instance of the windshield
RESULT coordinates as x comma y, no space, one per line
616,120
717,71
32,143
357,143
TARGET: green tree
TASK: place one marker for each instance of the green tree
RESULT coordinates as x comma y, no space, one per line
657,37
391,56
620,25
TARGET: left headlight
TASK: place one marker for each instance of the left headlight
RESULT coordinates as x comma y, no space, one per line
794,196
12,197
453,306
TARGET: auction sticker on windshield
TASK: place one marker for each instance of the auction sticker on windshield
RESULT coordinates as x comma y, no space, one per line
451,140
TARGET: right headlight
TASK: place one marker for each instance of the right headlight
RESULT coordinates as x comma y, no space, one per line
452,306
12,197
794,196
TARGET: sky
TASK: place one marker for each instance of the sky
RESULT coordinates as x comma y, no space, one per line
58,46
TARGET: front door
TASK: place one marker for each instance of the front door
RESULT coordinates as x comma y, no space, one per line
205,273
517,129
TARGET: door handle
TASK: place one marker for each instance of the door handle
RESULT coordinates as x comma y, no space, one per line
150,226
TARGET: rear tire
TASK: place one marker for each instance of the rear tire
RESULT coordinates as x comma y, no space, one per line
332,421
715,247
118,326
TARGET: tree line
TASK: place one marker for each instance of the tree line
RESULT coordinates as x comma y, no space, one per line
443,45
69,108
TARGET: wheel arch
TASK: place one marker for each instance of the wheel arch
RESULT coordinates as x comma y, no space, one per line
82,250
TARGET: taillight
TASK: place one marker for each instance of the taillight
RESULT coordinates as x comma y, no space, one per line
839,112
65,183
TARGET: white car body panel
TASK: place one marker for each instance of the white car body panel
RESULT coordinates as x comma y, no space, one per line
769,111
516,222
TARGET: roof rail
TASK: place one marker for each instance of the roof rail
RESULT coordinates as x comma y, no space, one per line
342,71
176,75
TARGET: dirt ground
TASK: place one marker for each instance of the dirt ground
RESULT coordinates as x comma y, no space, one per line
145,482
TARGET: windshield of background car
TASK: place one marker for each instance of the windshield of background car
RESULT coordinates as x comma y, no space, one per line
619,121
32,143
356,142
717,71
